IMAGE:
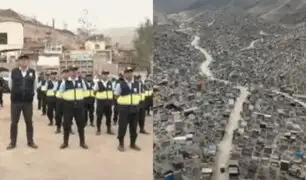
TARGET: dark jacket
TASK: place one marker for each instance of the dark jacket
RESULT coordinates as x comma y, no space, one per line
22,87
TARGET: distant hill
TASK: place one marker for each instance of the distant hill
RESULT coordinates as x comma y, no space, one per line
36,30
123,36
289,12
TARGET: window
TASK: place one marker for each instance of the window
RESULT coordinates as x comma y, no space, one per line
3,38
97,46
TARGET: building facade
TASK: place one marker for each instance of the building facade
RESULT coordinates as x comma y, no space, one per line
95,45
83,59
11,38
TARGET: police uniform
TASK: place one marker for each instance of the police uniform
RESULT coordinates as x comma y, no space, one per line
22,83
39,92
128,93
142,105
104,96
148,99
51,86
72,91
59,110
43,89
89,100
115,116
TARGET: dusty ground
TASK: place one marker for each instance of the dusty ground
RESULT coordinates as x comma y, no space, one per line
101,161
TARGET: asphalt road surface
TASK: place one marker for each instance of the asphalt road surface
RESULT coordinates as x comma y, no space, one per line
101,161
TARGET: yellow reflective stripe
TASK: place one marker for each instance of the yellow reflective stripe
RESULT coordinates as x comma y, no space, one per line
104,95
92,93
133,99
58,94
86,93
147,93
73,94
143,96
44,88
50,93
150,93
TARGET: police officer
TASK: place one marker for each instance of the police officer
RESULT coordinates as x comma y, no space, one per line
149,98
73,98
89,100
104,95
115,117
43,88
38,90
128,98
1,91
50,97
142,104
59,102
23,84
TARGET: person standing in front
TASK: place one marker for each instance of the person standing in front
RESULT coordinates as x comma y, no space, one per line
104,95
23,84
128,99
51,86
72,91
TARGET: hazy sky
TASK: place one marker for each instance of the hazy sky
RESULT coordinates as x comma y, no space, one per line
103,13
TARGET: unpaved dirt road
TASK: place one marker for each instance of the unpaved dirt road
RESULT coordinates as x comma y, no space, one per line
101,161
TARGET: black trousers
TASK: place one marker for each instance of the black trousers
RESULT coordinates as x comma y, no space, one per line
1,98
149,104
39,92
59,112
89,110
51,105
27,110
44,102
74,111
103,110
116,113
141,118
127,118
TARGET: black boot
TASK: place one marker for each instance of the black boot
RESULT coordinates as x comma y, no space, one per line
82,139
58,130
66,139
109,131
133,145
121,145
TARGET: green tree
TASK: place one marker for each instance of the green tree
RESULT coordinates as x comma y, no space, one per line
143,45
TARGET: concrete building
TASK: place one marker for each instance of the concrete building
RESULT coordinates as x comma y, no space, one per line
95,45
53,48
11,37
80,58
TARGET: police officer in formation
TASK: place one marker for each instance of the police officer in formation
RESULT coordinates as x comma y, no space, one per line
89,100
128,99
115,116
42,89
51,86
22,83
59,111
104,95
142,105
72,91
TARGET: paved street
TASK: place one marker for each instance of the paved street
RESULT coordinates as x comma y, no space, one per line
101,161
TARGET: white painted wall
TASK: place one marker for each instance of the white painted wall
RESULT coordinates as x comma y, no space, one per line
48,61
15,34
90,45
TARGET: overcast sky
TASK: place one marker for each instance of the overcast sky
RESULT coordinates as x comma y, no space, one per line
104,14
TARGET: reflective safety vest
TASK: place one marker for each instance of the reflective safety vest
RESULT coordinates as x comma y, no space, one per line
73,92
58,93
148,93
142,91
50,89
104,92
43,86
129,96
89,90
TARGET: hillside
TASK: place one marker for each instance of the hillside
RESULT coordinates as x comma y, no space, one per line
123,36
287,12
36,30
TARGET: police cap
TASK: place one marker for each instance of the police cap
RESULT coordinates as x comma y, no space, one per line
23,57
104,72
88,75
128,70
65,70
73,68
